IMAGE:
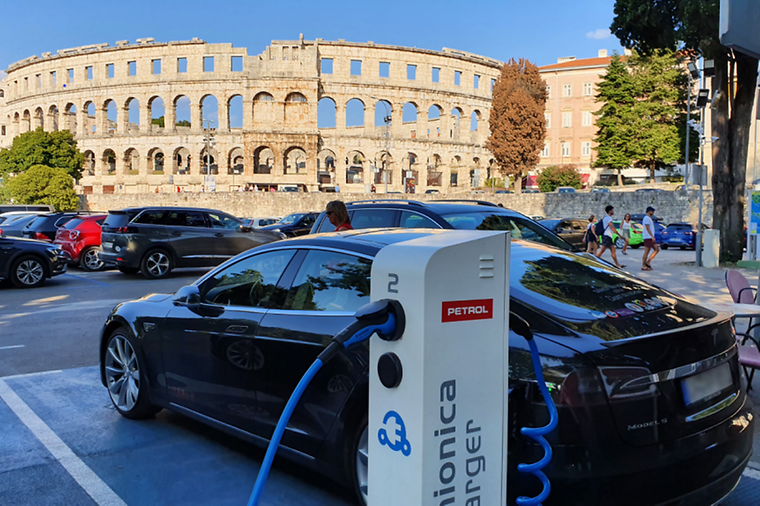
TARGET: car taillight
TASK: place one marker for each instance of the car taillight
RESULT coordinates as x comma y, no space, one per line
125,230
73,234
1,231
41,237
568,385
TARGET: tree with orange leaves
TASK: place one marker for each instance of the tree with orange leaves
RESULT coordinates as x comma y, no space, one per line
517,123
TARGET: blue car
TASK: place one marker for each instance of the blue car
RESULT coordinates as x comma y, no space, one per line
679,235
658,227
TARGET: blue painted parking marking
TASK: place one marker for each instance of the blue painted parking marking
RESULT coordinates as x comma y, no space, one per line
88,280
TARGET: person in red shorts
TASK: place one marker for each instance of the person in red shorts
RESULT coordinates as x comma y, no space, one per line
649,242
338,215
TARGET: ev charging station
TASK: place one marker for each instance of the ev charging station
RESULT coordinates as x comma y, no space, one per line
438,395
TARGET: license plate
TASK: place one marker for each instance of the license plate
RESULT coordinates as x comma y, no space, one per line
107,245
705,385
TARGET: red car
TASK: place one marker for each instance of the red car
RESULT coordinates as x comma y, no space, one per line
80,238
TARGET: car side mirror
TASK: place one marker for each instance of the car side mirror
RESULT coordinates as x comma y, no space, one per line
187,295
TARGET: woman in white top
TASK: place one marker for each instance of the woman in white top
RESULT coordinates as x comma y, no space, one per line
625,228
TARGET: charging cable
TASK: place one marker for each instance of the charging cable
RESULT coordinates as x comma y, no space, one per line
386,317
521,327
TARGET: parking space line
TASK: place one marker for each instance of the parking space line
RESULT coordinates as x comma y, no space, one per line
12,347
30,374
84,476
752,473
82,278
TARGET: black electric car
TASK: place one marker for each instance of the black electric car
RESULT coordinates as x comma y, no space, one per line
652,402
28,263
293,225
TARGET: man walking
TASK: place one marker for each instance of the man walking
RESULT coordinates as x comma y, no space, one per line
649,242
609,231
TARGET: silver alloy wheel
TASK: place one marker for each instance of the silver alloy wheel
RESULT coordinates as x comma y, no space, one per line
158,264
92,260
619,243
30,272
362,464
122,373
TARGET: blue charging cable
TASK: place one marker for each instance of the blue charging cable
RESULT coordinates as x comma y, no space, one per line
521,327
386,317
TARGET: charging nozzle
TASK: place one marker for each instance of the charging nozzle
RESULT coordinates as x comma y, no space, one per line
386,317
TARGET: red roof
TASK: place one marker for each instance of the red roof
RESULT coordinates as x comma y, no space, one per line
585,62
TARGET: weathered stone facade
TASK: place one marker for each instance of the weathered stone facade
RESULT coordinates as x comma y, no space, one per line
279,139
672,207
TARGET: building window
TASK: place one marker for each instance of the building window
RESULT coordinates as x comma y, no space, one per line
457,78
588,89
356,67
436,75
565,149
586,148
567,119
476,81
26,83
88,71
385,69
208,63
327,65
411,72
38,78
548,119
71,75
181,65
109,70
545,152
588,119
567,90
54,78
2,130
156,66
493,83
236,63
132,68
548,91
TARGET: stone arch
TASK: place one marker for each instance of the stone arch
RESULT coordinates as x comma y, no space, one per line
236,161
326,160
355,165
294,160
132,110
90,115
131,162
181,160
296,108
209,111
295,98
209,161
409,113
383,110
89,163
327,113
53,117
156,113
263,160
475,118
156,161
384,164
70,119
2,93
263,109
39,119
27,121
17,123
355,110
235,111
435,120
111,116
182,115
109,161
435,171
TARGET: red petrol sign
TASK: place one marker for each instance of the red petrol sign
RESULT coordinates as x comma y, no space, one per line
466,310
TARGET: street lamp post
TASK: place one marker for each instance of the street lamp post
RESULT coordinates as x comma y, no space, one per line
208,139
387,119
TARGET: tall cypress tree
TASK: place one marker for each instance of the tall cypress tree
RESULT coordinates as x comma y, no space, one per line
616,92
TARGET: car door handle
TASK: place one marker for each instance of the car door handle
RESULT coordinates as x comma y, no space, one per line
176,233
236,329
219,234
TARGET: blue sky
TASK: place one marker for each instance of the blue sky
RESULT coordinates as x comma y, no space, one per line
541,30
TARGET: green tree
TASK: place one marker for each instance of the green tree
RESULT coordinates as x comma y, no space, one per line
53,149
40,184
613,139
158,121
183,123
517,123
553,177
692,25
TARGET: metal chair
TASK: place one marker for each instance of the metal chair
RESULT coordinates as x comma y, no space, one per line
739,288
742,293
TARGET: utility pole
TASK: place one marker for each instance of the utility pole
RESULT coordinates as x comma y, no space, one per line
387,119
208,139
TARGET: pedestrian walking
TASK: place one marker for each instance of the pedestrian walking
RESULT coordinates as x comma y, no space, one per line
625,228
649,242
338,215
609,232
591,240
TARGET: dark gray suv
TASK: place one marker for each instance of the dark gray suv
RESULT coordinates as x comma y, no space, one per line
155,240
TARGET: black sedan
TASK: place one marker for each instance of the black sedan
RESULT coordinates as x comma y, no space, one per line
28,263
573,230
648,386
294,225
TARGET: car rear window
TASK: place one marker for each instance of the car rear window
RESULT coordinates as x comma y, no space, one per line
680,227
152,217
72,223
520,228
119,219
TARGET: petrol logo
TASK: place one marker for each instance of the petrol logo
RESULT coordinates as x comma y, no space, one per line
399,442
467,310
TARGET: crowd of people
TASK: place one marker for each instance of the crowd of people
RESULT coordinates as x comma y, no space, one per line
599,236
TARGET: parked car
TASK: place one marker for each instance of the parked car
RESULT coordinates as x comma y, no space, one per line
502,191
28,263
432,192
80,238
15,227
573,230
531,190
155,240
229,349
13,215
294,225
7,208
680,235
444,214
635,240
600,189
658,226
565,189
261,222
290,188
45,226
650,190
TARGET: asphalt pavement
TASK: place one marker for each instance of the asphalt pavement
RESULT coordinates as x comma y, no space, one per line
63,443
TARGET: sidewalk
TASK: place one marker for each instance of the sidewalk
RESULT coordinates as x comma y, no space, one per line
676,272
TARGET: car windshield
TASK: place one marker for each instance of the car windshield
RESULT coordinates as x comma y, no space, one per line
679,228
290,219
519,227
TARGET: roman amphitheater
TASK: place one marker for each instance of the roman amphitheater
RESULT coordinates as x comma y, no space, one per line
318,114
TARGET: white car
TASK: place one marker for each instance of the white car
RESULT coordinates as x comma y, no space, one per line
262,222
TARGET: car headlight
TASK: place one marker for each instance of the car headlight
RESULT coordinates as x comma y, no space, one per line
282,236
276,231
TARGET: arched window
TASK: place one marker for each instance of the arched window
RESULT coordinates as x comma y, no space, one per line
326,113
295,98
